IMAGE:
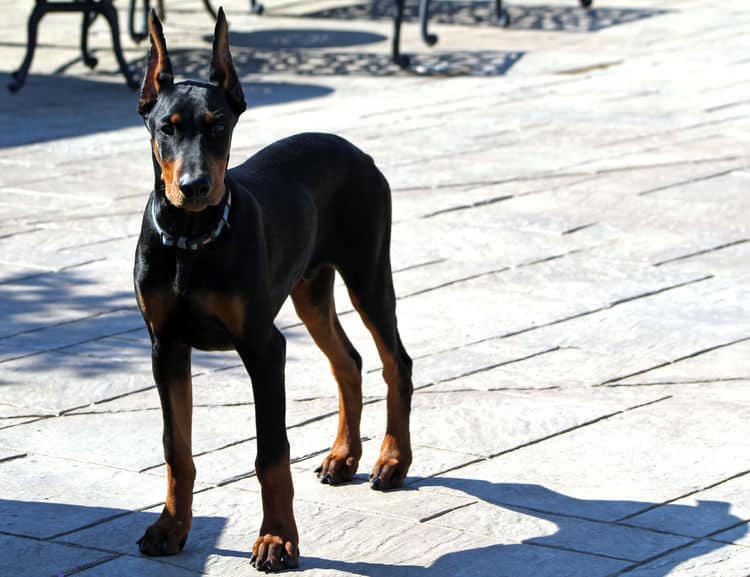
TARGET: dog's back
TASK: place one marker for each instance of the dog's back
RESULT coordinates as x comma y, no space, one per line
350,197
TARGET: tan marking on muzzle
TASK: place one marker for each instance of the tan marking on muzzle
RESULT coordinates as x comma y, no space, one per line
170,175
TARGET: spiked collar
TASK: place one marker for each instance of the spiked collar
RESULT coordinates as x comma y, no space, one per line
198,242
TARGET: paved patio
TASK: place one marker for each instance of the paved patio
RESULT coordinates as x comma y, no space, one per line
571,246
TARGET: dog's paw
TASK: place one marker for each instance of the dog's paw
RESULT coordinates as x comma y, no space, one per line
274,553
390,469
163,538
387,474
338,467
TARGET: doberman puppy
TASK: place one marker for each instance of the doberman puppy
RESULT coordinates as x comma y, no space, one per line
219,252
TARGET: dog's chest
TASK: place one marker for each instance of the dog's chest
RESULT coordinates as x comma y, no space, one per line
183,280
189,305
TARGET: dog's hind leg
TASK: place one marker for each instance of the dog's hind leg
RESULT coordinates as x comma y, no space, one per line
314,302
371,292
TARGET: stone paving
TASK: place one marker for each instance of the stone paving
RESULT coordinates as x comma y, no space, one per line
571,239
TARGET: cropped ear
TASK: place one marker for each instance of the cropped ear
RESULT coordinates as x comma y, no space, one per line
159,69
222,68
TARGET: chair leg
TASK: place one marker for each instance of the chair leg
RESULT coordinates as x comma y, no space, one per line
88,59
138,35
208,6
19,76
398,15
502,18
110,13
424,17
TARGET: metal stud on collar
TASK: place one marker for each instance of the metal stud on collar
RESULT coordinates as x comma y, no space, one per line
187,243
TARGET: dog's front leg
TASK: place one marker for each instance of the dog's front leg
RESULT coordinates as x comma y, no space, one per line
171,367
276,547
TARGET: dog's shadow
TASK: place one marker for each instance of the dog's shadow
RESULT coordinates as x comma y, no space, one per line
580,536
558,534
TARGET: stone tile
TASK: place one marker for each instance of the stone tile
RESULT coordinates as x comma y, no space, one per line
475,365
48,558
713,257
704,559
550,368
406,504
10,454
47,256
49,383
509,524
309,443
721,364
612,469
86,328
220,541
15,421
508,419
45,496
308,430
703,513
425,203
34,302
307,375
739,535
69,436
648,327
126,566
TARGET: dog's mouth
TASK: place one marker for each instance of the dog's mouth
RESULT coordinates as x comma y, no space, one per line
191,200
191,203
195,204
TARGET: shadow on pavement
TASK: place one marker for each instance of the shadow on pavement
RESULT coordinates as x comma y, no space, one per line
64,322
290,38
62,106
311,62
50,521
560,552
482,12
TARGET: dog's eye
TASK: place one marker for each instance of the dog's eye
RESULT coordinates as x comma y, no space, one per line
217,129
167,129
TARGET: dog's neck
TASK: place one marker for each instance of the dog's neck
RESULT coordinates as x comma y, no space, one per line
185,229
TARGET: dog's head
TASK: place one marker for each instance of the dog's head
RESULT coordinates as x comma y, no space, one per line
191,122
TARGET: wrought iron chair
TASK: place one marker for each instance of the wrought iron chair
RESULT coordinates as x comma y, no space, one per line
502,18
140,34
90,10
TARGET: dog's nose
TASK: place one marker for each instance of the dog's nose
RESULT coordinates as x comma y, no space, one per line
195,186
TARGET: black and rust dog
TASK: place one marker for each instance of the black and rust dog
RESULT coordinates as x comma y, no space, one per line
219,252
